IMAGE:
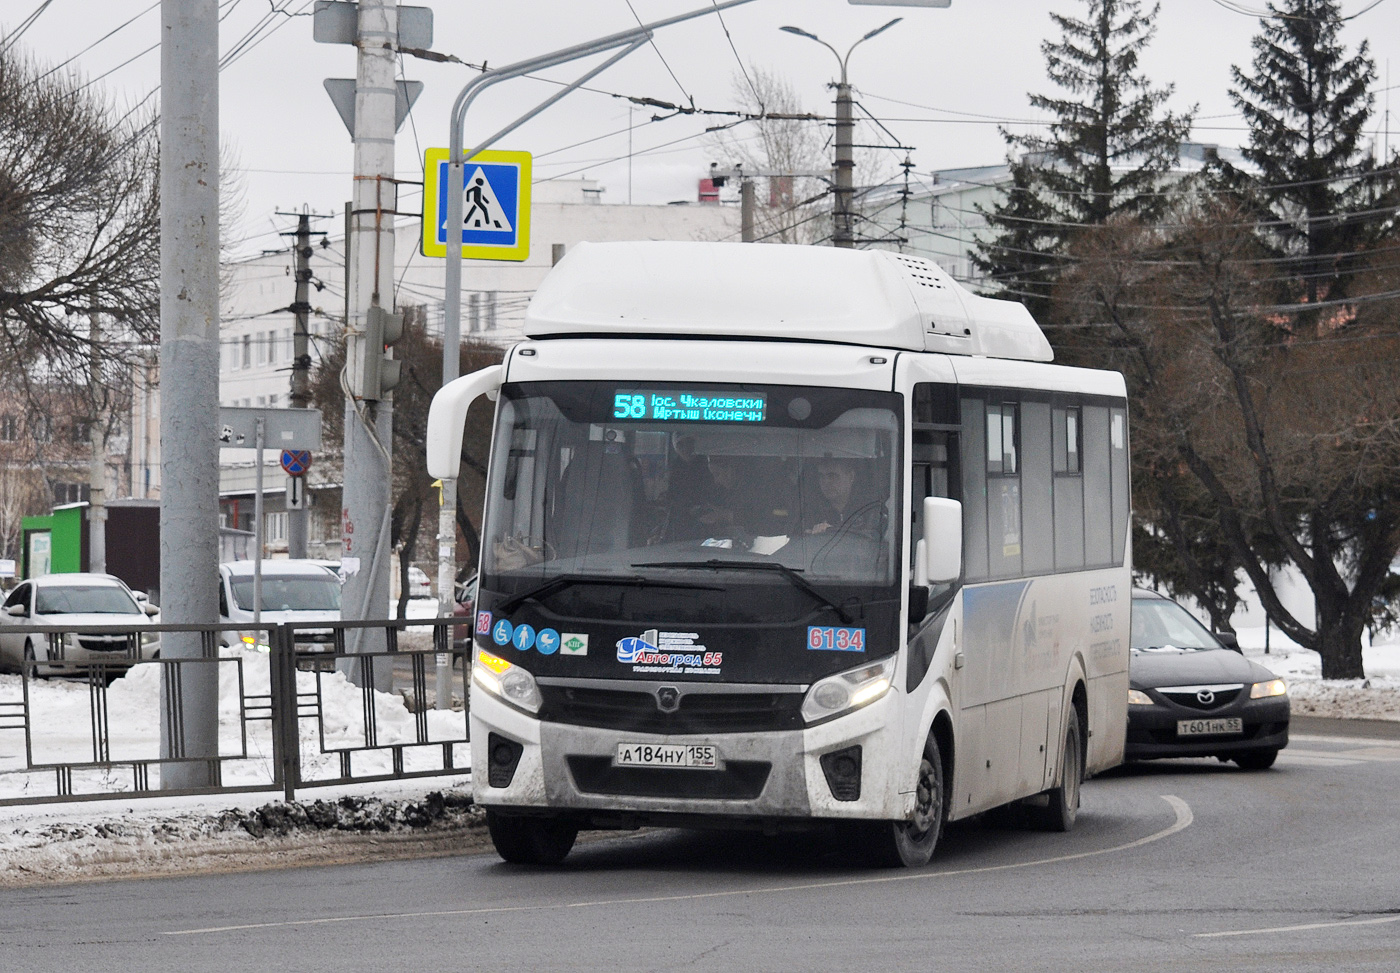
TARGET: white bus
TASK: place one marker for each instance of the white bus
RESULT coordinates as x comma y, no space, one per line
778,535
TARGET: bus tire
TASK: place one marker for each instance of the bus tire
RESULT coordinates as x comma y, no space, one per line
523,840
1062,806
910,844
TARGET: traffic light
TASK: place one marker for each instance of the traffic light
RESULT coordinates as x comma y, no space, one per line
378,372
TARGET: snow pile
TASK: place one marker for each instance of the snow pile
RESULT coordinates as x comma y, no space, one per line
108,843
1377,697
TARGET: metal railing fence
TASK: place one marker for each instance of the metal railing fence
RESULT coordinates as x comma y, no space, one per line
298,707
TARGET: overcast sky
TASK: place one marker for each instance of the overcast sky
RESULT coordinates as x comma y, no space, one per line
940,81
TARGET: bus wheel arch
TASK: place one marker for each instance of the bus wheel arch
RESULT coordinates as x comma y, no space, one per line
1061,807
911,843
942,732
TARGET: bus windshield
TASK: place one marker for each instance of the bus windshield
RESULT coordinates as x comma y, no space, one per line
649,480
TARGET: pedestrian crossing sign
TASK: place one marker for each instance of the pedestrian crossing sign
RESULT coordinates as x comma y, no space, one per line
495,190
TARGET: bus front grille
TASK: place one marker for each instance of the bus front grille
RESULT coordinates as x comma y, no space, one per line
639,712
739,780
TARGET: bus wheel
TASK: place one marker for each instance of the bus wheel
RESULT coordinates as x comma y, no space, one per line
910,844
1063,805
524,840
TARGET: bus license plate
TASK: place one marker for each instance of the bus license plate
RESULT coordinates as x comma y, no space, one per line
1202,728
699,755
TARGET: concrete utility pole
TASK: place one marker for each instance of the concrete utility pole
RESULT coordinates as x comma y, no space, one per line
300,397
843,176
97,472
369,424
746,210
189,380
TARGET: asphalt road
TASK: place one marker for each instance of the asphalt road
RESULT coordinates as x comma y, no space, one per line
1179,866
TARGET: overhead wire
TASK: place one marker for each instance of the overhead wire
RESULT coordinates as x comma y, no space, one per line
664,64
115,30
758,98
24,25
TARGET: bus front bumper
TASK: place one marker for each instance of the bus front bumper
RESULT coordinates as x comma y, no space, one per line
770,777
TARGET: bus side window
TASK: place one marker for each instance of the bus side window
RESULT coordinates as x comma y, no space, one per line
930,479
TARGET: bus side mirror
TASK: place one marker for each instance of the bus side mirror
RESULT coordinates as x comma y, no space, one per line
448,415
939,559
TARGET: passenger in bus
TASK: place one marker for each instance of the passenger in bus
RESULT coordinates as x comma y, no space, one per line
838,505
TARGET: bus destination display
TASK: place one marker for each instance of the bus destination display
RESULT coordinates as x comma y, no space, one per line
680,405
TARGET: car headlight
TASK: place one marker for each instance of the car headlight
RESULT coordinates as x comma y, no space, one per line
846,691
1136,697
508,683
1274,687
251,642
150,638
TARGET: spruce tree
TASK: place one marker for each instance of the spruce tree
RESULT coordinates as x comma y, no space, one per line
1307,104
1108,147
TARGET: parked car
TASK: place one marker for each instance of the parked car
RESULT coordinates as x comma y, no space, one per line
465,610
292,591
418,584
1194,694
62,601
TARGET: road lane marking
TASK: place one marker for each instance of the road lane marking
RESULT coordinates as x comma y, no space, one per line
1180,809
1349,741
1310,925
1356,753
1318,760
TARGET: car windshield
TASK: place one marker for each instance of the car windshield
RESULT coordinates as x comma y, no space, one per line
1162,624
290,593
597,478
94,599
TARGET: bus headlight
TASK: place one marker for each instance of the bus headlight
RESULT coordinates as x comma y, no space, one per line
1274,687
508,683
846,691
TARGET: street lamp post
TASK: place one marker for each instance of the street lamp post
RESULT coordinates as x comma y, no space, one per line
843,181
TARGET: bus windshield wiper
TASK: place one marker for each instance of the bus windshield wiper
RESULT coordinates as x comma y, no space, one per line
561,581
791,574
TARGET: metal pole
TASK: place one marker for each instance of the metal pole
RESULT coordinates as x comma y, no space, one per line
843,234
367,493
629,40
259,439
298,520
447,581
97,472
189,362
843,183
746,210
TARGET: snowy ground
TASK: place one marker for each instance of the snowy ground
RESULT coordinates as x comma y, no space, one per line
1377,697
160,835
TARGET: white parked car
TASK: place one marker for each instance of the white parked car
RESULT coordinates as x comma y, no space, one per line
62,601
292,591
418,584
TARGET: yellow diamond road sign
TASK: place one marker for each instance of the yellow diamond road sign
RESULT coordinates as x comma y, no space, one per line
495,190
